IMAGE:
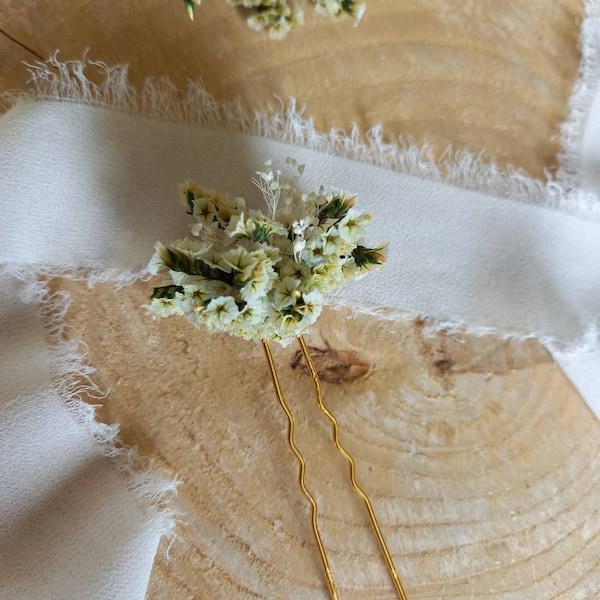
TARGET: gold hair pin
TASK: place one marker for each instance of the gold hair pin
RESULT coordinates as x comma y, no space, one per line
266,277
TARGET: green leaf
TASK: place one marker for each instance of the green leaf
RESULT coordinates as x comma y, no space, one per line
337,208
367,257
262,233
199,267
190,201
347,5
166,291
178,261
189,5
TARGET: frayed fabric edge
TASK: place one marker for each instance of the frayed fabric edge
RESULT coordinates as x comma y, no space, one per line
120,279
582,97
588,342
72,381
97,84
569,356
90,274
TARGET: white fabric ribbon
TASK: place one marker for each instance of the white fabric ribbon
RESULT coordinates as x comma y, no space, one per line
87,187
73,524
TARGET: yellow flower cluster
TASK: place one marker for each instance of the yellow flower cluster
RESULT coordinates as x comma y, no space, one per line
261,276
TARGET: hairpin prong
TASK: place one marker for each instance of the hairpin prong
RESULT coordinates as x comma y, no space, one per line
302,472
352,464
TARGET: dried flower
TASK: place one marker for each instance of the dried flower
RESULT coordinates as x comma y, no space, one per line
261,276
339,8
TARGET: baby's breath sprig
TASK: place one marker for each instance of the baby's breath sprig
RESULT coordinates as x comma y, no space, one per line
262,276
279,17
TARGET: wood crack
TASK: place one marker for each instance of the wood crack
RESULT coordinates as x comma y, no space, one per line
25,47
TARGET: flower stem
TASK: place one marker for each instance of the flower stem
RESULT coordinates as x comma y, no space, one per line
357,488
302,462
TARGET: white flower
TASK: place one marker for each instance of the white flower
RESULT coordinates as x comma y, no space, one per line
205,211
220,312
227,208
164,307
286,293
285,323
213,288
352,227
157,261
278,17
328,275
194,297
292,268
237,226
211,256
259,285
268,182
311,305
239,260
337,8
313,253
300,228
332,243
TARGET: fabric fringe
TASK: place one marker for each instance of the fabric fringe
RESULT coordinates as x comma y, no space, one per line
98,84
72,381
588,342
581,99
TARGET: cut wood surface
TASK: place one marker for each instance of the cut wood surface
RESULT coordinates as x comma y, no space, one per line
481,459
480,75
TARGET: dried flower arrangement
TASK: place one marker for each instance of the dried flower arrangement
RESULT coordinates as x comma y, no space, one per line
262,276
267,277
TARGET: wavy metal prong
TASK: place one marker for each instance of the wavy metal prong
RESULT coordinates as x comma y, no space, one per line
291,428
352,464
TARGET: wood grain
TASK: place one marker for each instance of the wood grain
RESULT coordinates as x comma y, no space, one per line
481,75
481,459
13,75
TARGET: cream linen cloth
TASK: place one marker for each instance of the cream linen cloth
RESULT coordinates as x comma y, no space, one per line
71,525
85,186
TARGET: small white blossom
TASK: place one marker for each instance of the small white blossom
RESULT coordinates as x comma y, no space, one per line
292,268
237,226
352,227
220,312
164,307
157,262
278,17
311,304
286,293
240,261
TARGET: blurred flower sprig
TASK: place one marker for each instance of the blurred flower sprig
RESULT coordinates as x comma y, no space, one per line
279,17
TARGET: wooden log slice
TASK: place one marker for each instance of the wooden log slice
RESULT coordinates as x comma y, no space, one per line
480,458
